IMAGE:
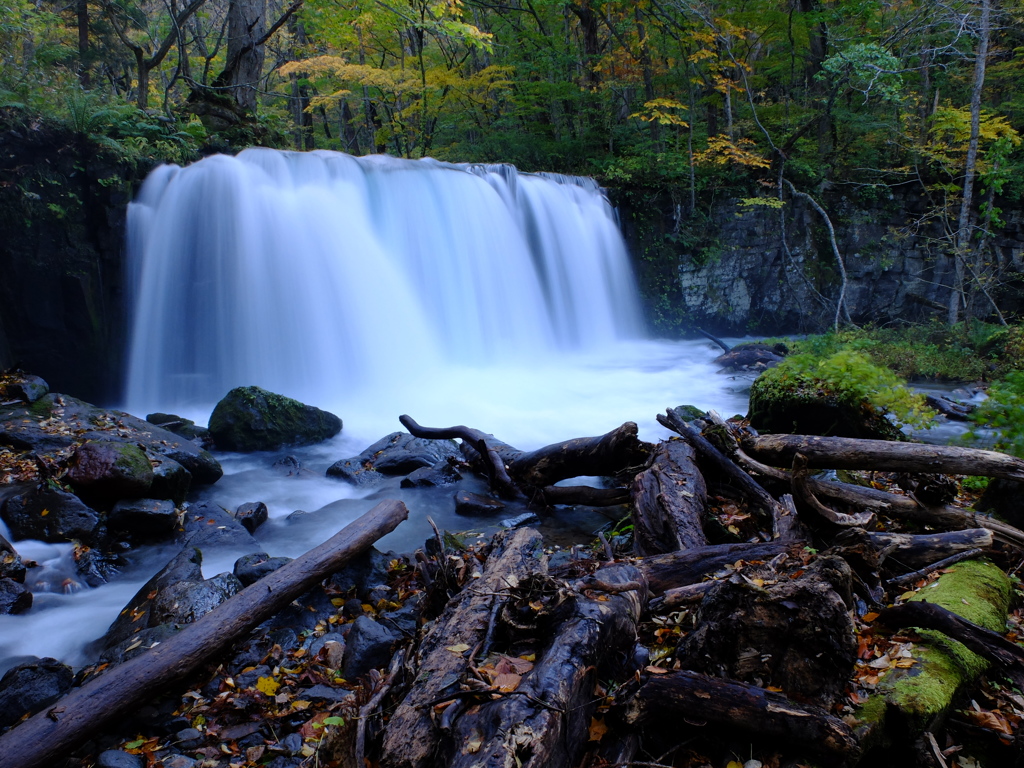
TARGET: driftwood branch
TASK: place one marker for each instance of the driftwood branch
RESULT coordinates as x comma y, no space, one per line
53,732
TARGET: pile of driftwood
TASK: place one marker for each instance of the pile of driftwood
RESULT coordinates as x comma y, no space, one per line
774,640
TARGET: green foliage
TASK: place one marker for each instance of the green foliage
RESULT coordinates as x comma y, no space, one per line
853,378
1003,411
972,351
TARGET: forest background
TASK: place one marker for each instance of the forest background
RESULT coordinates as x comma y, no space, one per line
759,102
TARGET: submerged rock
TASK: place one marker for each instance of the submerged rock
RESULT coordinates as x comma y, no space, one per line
751,356
253,419
144,518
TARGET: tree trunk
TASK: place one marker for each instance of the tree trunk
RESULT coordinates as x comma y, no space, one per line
243,69
53,732
962,246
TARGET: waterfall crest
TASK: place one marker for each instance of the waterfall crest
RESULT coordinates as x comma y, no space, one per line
308,273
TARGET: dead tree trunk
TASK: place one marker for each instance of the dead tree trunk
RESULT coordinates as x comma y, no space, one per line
53,732
413,739
544,722
669,500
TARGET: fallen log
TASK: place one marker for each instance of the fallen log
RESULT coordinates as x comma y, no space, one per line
669,501
906,551
677,569
884,455
412,737
518,472
58,729
705,701
544,722
803,492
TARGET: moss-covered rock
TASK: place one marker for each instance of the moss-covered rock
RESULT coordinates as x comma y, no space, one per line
252,419
844,394
104,471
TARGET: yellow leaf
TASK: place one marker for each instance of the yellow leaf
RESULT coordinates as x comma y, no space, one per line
597,729
734,764
44,513
267,685
460,648
869,617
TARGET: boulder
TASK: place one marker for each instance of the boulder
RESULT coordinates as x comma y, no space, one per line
475,505
103,471
170,479
182,427
437,476
397,454
185,602
14,597
186,566
11,565
144,518
252,419
49,515
206,524
27,388
56,422
751,356
251,568
252,515
368,646
29,687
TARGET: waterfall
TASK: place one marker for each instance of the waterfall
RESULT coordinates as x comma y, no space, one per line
317,273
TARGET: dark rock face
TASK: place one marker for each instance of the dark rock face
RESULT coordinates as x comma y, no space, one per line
740,279
29,687
49,515
105,471
368,646
437,476
252,419
63,201
397,454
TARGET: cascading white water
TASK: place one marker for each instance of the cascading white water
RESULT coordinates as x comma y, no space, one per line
314,273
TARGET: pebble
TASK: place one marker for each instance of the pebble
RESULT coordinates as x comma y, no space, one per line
115,758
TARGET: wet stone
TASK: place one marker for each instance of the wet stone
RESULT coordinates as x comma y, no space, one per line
368,646
115,758
14,597
251,568
28,687
252,515
146,518
475,505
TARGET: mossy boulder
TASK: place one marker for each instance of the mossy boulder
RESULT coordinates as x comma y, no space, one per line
105,471
253,419
783,401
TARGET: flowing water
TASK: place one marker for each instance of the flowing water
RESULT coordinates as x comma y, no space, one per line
372,287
